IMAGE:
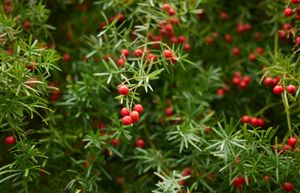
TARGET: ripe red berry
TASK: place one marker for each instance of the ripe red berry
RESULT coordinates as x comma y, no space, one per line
259,50
135,116
166,7
121,62
288,187
224,15
115,142
66,57
186,47
277,90
288,12
138,108
291,89
282,35
276,80
246,79
252,57
152,57
292,142
125,53
209,40
297,40
253,121
220,92
169,28
138,53
236,51
124,111
245,119
123,90
186,172
238,181
139,143
172,12
168,53
10,140
85,164
240,28
243,85
294,1
181,39
260,122
169,111
27,24
287,26
236,81
228,38
126,120
247,27
268,81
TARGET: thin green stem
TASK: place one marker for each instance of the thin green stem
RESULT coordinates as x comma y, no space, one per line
287,110
26,186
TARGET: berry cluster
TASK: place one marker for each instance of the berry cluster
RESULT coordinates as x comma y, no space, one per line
254,121
131,117
240,81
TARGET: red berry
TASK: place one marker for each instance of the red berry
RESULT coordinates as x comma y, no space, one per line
247,27
66,57
291,89
123,90
246,79
166,7
186,47
294,1
135,116
220,92
169,111
238,181
174,40
277,89
186,172
243,85
268,81
152,57
260,122
259,50
138,108
282,35
138,53
224,15
85,164
236,51
125,53
245,119
292,142
254,121
124,111
228,38
287,26
27,24
252,57
181,39
169,28
297,40
126,120
236,81
121,62
276,80
139,143
209,40
288,12
168,53
240,28
10,140
172,12
115,142
288,187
